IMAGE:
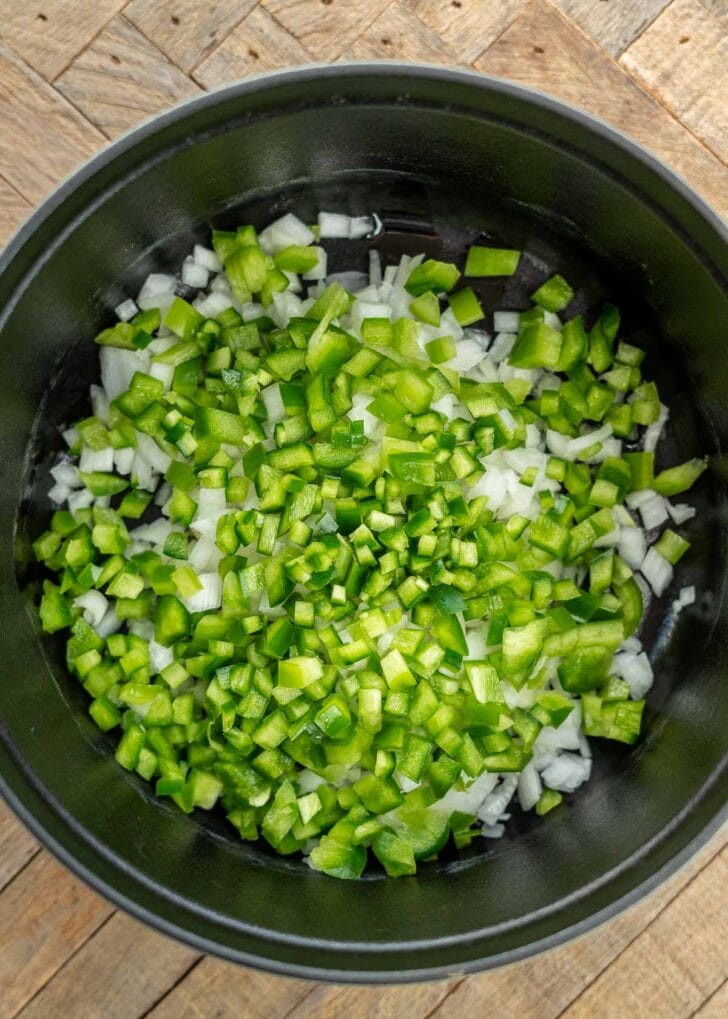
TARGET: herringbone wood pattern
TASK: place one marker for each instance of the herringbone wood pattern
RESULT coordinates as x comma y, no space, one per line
74,73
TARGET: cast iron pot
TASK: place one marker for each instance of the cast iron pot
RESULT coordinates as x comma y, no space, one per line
442,156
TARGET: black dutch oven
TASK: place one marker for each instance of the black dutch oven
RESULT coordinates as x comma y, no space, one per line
441,156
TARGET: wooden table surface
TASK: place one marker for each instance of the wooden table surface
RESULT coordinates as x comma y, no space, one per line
74,73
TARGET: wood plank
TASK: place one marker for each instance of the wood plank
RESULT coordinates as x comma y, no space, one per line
718,8
544,50
327,28
46,916
121,78
331,1001
675,964
681,59
468,27
187,31
398,34
716,1006
17,845
259,43
541,988
13,210
48,34
121,971
612,25
230,992
42,137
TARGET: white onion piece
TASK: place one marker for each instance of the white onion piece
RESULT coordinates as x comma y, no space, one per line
96,460
567,773
681,512
126,310
206,258
657,571
653,432
360,226
495,803
99,404
577,446
208,597
159,656
79,500
469,800
468,353
506,321
319,270
283,232
109,624
356,283
118,367
632,546
58,494
65,473
653,512
156,285
635,670
552,320
147,448
94,606
273,401
333,224
70,437
163,372
205,556
156,533
210,503
194,275
529,787
124,460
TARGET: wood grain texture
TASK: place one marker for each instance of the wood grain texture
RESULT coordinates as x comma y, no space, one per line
236,993
671,968
48,34
398,34
544,50
123,970
716,1006
46,915
259,43
614,24
122,78
681,59
17,845
187,30
468,27
543,987
65,952
718,8
42,137
327,28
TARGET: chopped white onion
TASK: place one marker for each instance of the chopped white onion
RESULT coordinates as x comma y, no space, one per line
208,597
653,432
159,656
206,258
273,401
94,605
632,546
333,224
375,267
506,321
529,787
635,670
194,275
681,512
96,459
319,270
126,310
657,571
283,232
567,772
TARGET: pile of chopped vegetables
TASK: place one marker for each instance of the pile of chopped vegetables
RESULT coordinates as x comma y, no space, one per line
348,567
